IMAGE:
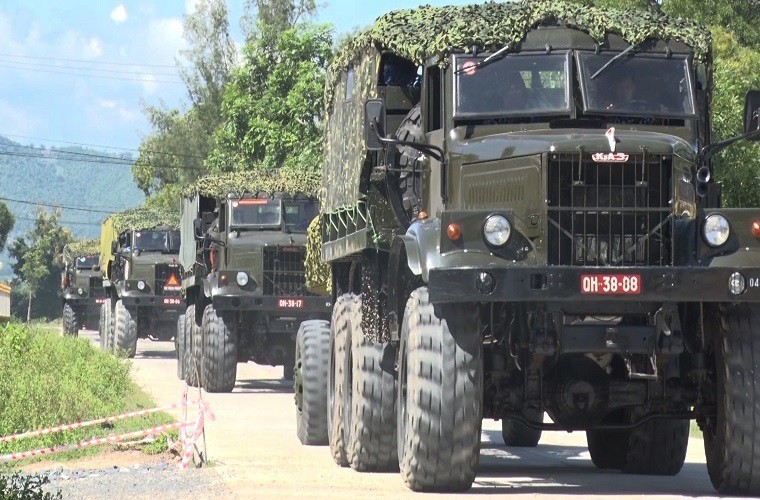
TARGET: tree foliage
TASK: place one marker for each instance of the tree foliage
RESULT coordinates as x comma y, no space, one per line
179,142
740,17
273,105
6,224
38,265
281,15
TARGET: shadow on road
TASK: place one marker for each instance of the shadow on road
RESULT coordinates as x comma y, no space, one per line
567,470
264,386
156,355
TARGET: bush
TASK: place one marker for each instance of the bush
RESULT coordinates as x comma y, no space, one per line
47,379
25,487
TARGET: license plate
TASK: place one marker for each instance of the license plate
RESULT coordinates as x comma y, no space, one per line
100,301
290,303
611,284
172,301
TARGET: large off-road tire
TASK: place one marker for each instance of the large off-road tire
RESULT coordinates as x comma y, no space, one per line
125,331
101,323
191,356
608,448
219,354
106,331
439,395
370,391
515,433
70,321
310,381
732,439
339,325
179,346
657,447
403,185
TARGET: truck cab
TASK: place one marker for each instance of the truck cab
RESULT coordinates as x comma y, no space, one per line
82,288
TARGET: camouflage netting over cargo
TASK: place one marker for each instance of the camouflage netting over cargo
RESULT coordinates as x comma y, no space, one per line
424,32
144,218
238,183
81,247
318,273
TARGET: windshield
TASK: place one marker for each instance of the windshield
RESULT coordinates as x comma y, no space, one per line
255,212
87,261
637,85
299,214
515,85
157,241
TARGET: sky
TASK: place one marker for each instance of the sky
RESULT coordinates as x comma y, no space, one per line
81,71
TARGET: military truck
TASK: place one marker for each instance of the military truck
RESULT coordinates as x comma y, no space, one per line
243,249
142,278
82,286
522,233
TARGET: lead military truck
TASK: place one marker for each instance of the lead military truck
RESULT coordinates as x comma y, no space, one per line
243,247
81,286
142,277
535,228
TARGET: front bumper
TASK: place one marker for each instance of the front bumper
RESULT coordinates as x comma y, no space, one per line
564,284
275,306
77,301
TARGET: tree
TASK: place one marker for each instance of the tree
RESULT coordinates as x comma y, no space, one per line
38,263
280,15
174,152
273,106
6,224
740,17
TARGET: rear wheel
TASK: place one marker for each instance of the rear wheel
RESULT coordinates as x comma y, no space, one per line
125,331
732,436
657,447
179,346
608,448
440,395
219,352
515,433
70,321
191,358
310,381
101,323
370,416
335,398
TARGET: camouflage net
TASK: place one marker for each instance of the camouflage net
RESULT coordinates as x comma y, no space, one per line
318,273
81,247
421,33
144,218
238,183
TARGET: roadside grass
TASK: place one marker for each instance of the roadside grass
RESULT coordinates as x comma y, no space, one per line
47,379
694,431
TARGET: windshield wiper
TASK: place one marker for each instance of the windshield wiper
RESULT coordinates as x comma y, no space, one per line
612,61
499,54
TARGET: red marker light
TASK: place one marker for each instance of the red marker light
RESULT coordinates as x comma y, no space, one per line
756,229
453,231
254,201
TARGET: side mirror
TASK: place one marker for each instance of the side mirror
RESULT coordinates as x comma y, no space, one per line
752,114
374,124
114,247
198,228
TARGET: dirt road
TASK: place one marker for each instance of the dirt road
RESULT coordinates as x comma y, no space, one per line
255,450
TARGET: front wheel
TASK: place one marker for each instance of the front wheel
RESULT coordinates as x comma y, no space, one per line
70,321
219,352
732,436
310,381
125,331
515,433
179,346
439,395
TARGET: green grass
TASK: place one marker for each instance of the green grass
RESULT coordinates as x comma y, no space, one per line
47,379
694,431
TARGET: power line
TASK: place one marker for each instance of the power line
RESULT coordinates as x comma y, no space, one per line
102,77
103,162
80,208
134,71
178,155
105,63
61,221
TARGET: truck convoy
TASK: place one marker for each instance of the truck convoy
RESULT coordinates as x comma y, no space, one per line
520,215
81,286
243,250
141,278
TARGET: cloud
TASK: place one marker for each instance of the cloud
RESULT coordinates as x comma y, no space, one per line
106,103
119,14
149,84
93,48
17,119
129,115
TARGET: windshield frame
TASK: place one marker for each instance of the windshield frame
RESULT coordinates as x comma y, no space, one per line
167,240
566,111
94,257
302,202
242,227
583,78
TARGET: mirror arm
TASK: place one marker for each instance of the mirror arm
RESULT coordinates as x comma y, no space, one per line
434,151
710,150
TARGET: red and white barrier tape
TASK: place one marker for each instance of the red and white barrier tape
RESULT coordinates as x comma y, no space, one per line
94,442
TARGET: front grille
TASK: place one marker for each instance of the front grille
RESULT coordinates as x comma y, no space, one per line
163,273
96,286
284,271
610,214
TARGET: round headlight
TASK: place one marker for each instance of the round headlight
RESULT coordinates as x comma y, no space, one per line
737,284
141,285
716,230
81,291
241,278
496,230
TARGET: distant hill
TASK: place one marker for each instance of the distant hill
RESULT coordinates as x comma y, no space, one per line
70,176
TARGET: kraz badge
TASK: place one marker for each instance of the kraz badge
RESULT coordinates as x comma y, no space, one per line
610,157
